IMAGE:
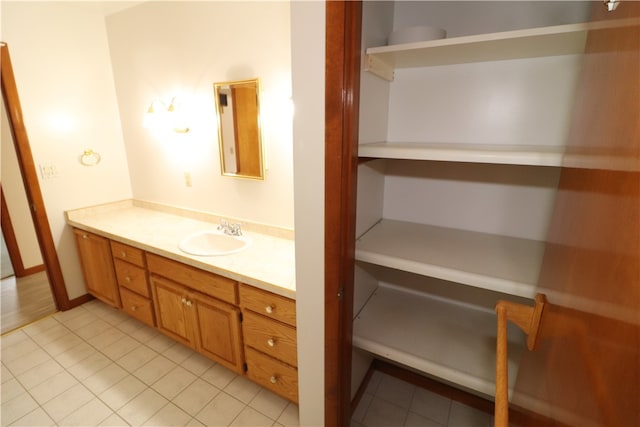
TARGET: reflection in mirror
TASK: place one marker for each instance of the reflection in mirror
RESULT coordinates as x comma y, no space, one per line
238,110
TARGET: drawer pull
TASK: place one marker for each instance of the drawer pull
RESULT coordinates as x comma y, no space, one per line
123,254
273,379
127,279
269,309
134,308
271,342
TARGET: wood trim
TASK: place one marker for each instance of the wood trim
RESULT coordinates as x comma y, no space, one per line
32,270
12,243
342,89
363,387
30,179
10,237
82,299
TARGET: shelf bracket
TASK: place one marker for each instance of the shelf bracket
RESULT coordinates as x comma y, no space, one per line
379,67
526,318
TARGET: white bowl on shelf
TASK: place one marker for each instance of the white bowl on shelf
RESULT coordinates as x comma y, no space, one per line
419,33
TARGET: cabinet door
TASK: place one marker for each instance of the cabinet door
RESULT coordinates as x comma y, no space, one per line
585,368
173,314
218,331
97,267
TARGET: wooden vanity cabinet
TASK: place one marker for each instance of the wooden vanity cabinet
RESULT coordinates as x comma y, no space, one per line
97,267
131,274
189,309
172,311
269,331
247,330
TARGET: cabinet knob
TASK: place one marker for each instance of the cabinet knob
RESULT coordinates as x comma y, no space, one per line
611,5
127,279
269,309
85,236
183,300
123,254
271,342
134,308
189,303
273,379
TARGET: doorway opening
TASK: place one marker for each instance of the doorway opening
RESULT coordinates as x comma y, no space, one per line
25,292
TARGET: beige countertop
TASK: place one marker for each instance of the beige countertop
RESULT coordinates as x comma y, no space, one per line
268,263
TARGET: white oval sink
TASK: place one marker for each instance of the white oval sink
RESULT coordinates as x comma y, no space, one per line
210,243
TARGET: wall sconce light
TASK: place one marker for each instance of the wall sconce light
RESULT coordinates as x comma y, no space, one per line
160,115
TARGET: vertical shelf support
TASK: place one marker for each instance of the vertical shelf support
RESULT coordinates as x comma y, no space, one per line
526,318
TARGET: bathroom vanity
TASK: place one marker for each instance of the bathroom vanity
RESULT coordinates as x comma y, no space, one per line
236,309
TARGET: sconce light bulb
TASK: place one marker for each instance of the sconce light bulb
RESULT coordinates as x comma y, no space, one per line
156,116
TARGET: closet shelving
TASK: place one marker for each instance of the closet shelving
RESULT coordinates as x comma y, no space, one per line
534,155
452,340
443,338
446,340
527,43
500,263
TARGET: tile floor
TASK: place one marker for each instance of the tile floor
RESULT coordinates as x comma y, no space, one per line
94,365
388,401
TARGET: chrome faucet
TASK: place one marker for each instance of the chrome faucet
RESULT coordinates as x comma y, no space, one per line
231,229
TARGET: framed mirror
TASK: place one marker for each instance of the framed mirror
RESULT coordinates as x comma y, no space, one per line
239,135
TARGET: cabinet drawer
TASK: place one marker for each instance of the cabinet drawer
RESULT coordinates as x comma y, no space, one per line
202,281
136,306
132,277
127,253
268,304
270,337
278,377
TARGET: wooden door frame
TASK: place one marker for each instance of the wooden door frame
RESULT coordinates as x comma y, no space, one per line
12,242
30,180
342,98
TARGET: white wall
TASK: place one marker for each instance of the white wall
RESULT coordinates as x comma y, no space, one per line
166,49
63,73
62,63
461,18
307,35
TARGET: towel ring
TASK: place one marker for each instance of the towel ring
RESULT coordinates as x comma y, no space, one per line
90,158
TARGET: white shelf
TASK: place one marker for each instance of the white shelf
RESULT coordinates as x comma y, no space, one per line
499,263
446,340
527,43
474,153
